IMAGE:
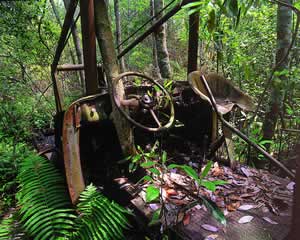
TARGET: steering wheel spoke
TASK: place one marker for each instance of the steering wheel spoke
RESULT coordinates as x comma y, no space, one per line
155,117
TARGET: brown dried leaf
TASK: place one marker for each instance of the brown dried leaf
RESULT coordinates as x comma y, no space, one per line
186,219
233,206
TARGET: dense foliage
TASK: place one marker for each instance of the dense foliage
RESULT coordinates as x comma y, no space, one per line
237,39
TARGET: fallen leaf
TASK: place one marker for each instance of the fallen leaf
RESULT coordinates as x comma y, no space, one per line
211,237
216,170
245,219
186,219
246,207
171,192
246,172
225,212
233,206
235,197
209,228
290,186
270,220
154,206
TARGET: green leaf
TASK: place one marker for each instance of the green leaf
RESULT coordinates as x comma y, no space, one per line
188,170
190,5
155,171
219,182
214,210
209,185
152,193
145,178
232,8
206,169
164,157
155,217
148,164
211,21
136,158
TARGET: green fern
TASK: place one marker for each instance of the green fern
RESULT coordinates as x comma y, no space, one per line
45,209
45,206
100,218
10,229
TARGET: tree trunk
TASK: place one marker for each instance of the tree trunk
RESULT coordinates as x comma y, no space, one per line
156,72
284,36
193,42
60,24
105,41
77,45
161,44
119,33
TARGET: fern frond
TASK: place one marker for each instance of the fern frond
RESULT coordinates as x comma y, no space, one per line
45,211
100,218
10,229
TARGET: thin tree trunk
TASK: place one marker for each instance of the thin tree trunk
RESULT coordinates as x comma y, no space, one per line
119,33
105,41
156,72
284,36
78,48
161,44
60,24
193,42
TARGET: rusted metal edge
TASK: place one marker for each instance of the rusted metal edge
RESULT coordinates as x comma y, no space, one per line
71,150
241,135
156,24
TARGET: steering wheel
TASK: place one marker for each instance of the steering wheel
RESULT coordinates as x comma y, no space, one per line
146,102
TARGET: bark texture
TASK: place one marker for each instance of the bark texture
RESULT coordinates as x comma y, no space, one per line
105,40
161,44
119,34
284,37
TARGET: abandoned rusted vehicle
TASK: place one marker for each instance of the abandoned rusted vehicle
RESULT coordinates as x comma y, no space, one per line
185,118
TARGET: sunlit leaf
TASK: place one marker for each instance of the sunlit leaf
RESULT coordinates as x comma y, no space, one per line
206,169
152,193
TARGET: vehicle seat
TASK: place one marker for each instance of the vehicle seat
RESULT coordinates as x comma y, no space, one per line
227,96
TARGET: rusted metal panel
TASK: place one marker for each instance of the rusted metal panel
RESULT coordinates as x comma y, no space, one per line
71,146
71,153
89,45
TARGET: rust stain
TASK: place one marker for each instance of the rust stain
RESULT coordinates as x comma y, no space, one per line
72,154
